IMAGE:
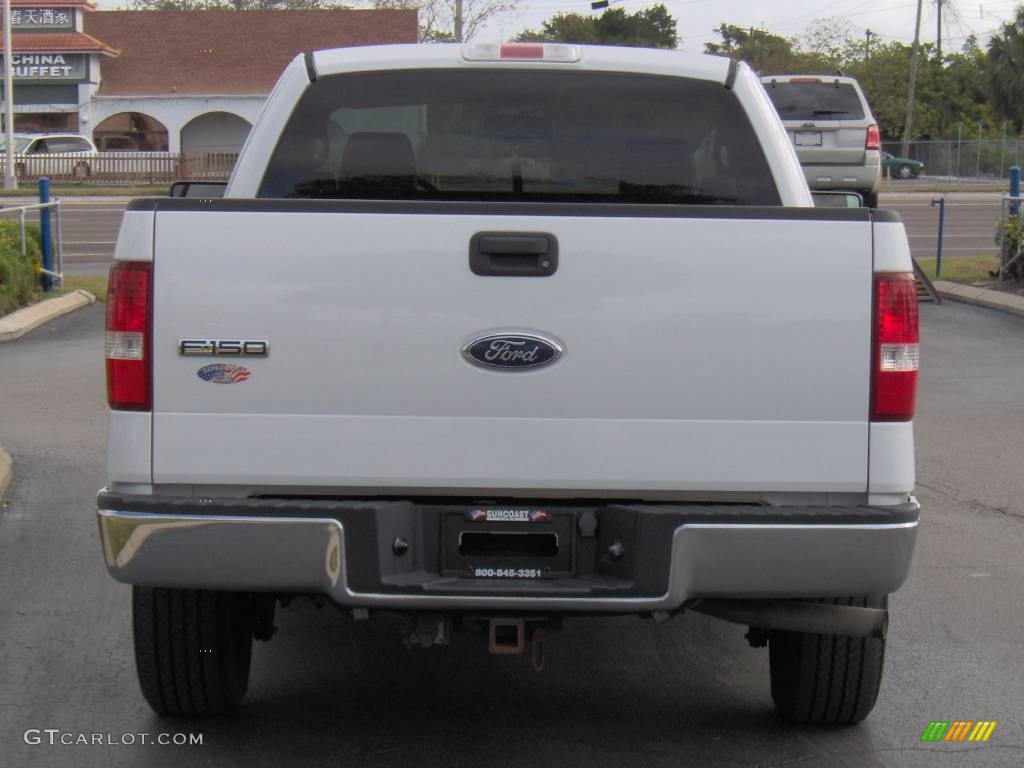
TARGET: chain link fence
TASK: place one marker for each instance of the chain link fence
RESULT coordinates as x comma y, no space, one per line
963,158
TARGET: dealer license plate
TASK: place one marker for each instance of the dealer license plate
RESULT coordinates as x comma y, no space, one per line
807,138
508,542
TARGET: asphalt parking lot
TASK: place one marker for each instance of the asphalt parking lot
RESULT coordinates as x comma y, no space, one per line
616,692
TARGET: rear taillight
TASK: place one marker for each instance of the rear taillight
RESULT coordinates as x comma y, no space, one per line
129,333
895,348
874,138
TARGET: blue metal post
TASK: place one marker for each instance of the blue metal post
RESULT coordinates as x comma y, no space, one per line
44,233
1014,186
941,202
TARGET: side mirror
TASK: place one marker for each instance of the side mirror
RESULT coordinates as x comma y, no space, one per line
837,200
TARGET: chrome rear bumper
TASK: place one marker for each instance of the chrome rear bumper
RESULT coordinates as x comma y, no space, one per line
306,553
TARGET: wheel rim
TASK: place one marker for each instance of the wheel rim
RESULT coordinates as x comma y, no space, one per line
905,172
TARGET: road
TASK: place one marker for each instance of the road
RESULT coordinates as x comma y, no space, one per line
969,228
619,692
90,226
89,230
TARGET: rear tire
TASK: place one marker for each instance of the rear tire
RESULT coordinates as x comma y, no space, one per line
826,679
193,649
870,199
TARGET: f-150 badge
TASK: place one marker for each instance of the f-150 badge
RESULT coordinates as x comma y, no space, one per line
511,351
233,348
223,373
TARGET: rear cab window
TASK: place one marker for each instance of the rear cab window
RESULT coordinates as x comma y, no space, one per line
814,99
520,135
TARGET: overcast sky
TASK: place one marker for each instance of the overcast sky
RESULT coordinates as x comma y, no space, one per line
892,19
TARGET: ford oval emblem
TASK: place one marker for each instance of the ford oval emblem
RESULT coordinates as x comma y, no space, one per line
512,350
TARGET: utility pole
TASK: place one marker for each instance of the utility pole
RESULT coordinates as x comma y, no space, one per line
458,20
764,34
938,31
868,34
10,180
909,123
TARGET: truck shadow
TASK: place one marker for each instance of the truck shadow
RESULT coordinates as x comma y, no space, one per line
328,689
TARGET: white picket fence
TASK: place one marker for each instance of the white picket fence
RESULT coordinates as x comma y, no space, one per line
123,167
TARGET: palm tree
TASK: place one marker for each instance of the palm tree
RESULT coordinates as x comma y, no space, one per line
1005,69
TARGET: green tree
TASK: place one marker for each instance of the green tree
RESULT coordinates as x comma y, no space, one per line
564,28
651,27
819,52
829,44
951,89
764,51
884,77
1005,70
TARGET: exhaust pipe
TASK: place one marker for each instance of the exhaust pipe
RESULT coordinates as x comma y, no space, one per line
799,616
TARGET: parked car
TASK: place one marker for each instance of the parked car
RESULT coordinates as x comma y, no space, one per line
29,146
832,128
901,167
559,334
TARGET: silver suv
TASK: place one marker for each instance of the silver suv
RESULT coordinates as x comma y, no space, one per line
835,135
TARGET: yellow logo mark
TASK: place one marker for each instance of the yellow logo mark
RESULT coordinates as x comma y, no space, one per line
982,730
958,730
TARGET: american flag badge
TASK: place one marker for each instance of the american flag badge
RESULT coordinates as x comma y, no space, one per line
223,373
477,515
538,516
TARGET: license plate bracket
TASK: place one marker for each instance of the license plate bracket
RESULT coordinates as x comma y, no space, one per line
807,138
508,543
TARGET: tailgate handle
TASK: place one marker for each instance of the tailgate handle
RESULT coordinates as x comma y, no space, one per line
513,254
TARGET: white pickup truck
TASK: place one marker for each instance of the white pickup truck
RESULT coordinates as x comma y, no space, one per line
495,335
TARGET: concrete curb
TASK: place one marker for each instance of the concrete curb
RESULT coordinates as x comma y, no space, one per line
17,324
6,473
982,297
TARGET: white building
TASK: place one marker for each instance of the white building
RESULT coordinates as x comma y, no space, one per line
182,81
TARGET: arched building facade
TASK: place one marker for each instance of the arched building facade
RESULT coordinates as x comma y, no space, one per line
177,81
176,116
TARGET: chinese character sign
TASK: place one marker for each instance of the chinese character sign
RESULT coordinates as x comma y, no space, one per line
42,18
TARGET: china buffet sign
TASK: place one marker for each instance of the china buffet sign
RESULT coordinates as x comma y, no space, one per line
48,66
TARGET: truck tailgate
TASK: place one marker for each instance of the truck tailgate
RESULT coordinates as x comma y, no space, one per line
721,349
